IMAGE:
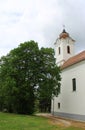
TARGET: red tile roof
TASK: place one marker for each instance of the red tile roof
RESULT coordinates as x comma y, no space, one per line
73,60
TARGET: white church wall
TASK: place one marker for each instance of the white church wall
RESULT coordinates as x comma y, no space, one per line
63,55
72,102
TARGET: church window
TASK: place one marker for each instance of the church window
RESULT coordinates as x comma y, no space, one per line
58,105
59,50
74,84
68,49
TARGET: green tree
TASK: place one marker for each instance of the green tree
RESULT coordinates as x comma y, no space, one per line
49,83
18,78
27,73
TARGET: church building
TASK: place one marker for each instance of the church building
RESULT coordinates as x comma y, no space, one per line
70,103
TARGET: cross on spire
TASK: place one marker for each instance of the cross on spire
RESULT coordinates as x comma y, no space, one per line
64,29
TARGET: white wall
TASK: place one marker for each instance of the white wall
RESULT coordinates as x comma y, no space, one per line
72,102
63,56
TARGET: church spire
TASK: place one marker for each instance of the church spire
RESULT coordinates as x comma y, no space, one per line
64,47
64,34
64,31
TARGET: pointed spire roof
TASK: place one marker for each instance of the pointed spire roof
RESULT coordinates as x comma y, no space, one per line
64,34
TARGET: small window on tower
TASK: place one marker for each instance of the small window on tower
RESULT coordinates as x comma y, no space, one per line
68,49
58,105
59,50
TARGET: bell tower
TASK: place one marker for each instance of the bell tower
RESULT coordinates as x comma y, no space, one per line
64,48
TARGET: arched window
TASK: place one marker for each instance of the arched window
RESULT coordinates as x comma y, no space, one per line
59,50
68,49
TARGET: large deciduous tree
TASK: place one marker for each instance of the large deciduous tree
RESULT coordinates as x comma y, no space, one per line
18,78
28,72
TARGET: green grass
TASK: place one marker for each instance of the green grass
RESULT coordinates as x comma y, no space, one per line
25,122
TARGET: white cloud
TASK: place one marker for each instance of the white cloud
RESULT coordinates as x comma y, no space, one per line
40,20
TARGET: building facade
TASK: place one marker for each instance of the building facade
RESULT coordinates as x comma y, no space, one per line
70,103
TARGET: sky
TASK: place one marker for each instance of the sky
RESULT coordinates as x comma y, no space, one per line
41,21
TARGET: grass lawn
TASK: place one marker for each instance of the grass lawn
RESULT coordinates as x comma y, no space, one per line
25,122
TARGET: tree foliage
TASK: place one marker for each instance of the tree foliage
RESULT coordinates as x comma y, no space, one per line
28,72
49,84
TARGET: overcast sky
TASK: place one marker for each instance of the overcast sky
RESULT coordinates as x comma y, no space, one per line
41,21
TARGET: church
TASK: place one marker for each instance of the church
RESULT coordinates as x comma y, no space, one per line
70,103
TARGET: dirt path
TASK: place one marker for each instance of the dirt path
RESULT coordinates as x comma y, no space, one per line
63,122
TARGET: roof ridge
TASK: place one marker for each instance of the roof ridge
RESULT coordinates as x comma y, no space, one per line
73,60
